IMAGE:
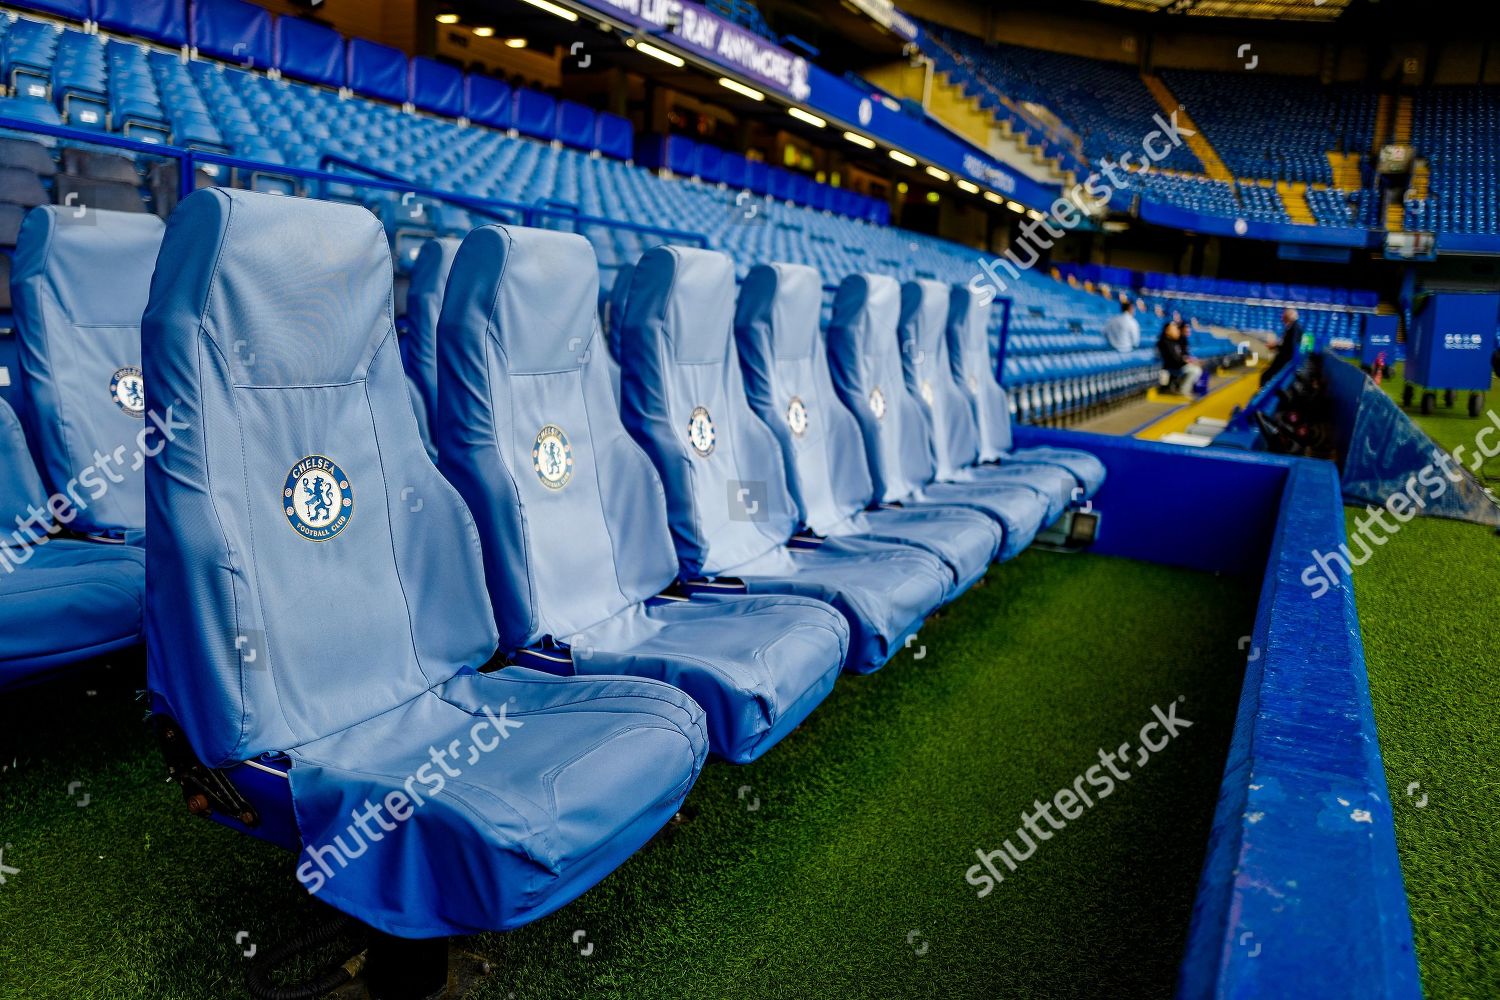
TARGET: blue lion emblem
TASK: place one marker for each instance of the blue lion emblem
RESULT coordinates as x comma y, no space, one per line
318,495
317,498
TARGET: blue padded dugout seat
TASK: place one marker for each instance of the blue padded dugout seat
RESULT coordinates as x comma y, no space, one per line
786,379
61,600
571,513
424,302
731,516
974,371
864,352
366,611
79,288
950,417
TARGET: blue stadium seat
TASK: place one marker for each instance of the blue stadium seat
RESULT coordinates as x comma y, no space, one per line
62,600
366,614
570,511
864,352
424,303
974,372
80,285
732,518
786,379
950,417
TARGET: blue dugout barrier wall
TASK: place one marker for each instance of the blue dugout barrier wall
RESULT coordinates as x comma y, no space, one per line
1301,891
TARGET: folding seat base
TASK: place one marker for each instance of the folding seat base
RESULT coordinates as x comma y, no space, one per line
885,591
64,601
494,796
756,665
1087,471
965,540
1053,483
1021,510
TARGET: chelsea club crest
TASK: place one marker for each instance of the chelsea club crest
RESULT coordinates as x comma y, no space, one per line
128,389
796,416
552,457
701,432
317,498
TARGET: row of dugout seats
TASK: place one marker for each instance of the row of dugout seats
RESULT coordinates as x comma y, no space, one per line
615,586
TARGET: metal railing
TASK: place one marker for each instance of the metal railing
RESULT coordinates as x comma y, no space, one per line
189,161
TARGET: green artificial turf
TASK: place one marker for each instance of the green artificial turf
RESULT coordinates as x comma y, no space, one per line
1429,608
834,867
1451,427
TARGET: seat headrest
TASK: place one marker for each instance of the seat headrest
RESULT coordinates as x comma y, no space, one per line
534,291
114,252
868,306
686,289
781,302
312,313
924,319
968,329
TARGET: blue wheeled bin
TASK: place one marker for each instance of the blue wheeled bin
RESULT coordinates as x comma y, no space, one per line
1377,348
1452,338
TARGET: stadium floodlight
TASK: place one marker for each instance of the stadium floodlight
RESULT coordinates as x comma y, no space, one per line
515,43
968,186
902,158
552,8
741,89
484,31
939,173
646,48
993,197
447,17
806,116
860,140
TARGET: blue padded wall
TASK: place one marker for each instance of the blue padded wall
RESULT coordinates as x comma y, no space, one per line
163,20
78,10
533,113
708,163
487,101
235,31
732,169
310,51
614,136
575,124
437,87
377,71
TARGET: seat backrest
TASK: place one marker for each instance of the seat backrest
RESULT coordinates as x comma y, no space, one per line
424,303
683,399
21,490
572,515
619,293
785,365
78,289
974,370
929,377
865,357
310,569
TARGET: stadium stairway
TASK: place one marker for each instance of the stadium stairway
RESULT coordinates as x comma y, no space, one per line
1202,148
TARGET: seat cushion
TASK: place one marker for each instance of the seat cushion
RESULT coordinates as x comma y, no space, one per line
965,540
1086,469
502,797
885,591
756,665
1021,510
65,600
1051,481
